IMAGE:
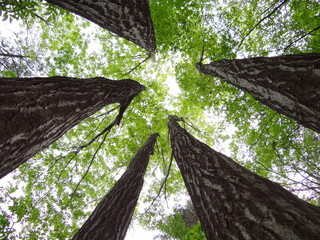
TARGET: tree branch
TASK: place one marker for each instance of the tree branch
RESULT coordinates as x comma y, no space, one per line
13,55
259,22
161,187
149,56
264,128
87,171
123,106
303,36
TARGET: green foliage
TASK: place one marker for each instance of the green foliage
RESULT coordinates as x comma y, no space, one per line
17,9
182,224
175,228
51,195
8,73
26,9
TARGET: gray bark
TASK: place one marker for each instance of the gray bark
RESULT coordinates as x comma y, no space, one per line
287,84
35,112
234,203
128,19
111,218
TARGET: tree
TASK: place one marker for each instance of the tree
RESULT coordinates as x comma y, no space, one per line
112,216
288,84
234,203
35,112
128,19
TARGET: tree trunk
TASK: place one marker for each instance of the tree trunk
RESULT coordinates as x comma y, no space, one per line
35,112
234,203
288,84
111,218
128,19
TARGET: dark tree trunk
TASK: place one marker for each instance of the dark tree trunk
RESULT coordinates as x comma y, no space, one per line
287,84
128,19
234,203
35,112
111,218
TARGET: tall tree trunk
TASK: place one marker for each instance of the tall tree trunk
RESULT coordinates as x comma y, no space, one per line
111,218
128,19
234,203
35,112
287,84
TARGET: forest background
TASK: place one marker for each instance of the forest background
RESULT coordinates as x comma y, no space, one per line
52,194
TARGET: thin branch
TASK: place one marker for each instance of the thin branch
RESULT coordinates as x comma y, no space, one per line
295,182
193,126
13,55
87,171
123,106
303,36
107,129
93,131
202,53
165,184
311,165
264,128
149,56
271,5
5,66
42,19
259,22
110,111
161,187
123,164
314,179
75,153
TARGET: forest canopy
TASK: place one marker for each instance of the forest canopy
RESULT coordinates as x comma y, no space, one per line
52,194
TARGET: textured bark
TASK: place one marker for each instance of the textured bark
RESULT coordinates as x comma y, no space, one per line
287,84
35,112
234,203
128,19
111,218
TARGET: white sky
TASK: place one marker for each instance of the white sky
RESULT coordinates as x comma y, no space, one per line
138,233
